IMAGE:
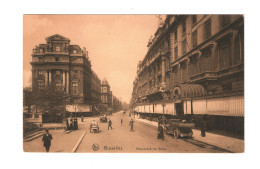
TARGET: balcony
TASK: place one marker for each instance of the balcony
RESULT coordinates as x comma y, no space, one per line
218,74
56,53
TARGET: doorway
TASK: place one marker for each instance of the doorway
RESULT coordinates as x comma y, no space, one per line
179,108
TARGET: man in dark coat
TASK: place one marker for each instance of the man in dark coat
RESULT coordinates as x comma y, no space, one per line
203,128
160,134
82,118
131,124
75,123
47,137
109,124
71,124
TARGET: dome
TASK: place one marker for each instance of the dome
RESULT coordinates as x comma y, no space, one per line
104,82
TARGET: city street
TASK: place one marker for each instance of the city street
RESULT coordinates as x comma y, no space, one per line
118,140
142,140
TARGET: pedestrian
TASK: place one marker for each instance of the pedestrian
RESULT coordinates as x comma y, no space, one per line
109,124
131,124
67,124
47,137
121,121
161,133
71,123
203,128
82,119
76,123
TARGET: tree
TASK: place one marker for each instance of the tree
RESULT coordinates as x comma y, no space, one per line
50,101
28,98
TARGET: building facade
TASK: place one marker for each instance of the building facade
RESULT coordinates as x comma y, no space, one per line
194,66
66,67
95,89
106,96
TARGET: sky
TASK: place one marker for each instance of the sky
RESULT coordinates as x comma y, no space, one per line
115,43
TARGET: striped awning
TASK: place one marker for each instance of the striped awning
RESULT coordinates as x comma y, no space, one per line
78,108
188,91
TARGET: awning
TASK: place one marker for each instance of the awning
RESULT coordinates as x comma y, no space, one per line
188,91
78,108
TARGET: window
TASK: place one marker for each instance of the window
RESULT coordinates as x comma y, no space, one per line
207,29
104,89
40,72
41,59
175,36
176,52
183,28
56,59
225,20
40,84
58,84
184,46
41,50
74,51
57,49
58,72
194,39
75,87
225,53
194,19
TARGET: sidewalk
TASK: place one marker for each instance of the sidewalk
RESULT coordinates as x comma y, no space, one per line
224,142
57,143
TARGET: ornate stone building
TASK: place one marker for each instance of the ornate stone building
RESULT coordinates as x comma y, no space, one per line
67,67
194,66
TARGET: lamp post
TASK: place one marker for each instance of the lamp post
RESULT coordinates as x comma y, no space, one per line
75,104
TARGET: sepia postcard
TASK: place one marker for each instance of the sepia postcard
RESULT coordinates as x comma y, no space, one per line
133,83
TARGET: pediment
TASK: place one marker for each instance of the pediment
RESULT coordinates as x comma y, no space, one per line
57,37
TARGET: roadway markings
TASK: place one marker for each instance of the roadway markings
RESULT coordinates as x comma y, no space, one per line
78,143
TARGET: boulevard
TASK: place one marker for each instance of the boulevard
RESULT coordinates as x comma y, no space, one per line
118,140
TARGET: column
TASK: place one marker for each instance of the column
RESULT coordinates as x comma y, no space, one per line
46,77
33,79
233,46
199,56
214,56
163,71
50,77
172,47
63,79
67,82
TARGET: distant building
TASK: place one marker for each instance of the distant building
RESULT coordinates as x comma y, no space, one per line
95,89
106,96
116,104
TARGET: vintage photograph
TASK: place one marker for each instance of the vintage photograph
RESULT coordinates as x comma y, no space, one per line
169,83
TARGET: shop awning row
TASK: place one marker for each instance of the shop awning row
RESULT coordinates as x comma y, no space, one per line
78,108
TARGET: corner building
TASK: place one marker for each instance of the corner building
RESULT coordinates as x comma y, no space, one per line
194,67
65,66
106,95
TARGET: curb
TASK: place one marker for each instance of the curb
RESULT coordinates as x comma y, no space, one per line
33,137
214,146
77,144
194,139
